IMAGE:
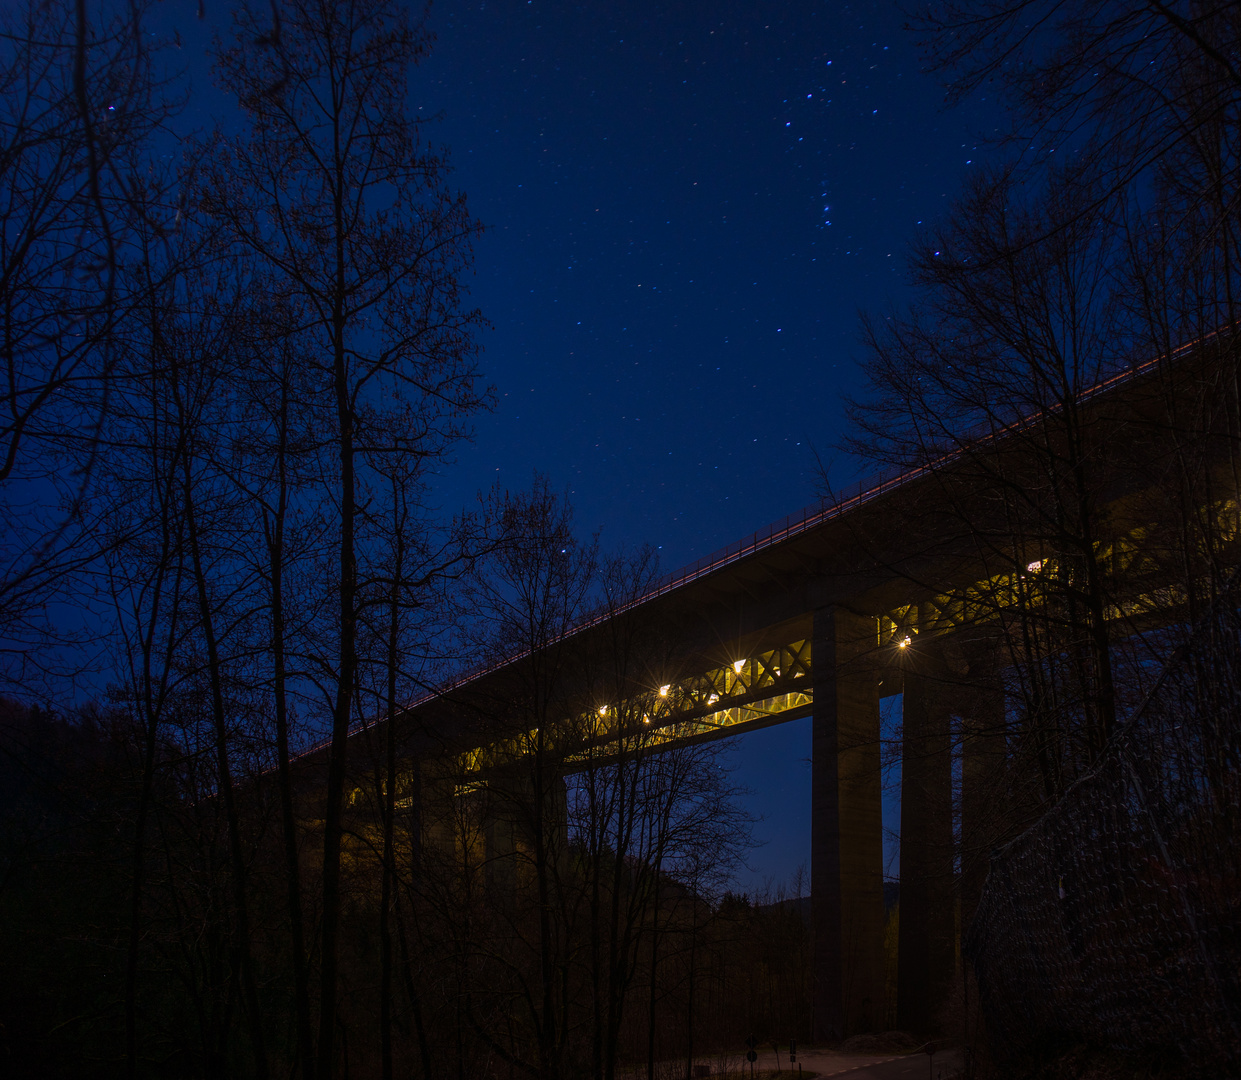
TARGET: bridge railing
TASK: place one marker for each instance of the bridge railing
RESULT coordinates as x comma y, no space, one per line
873,486
848,499
789,526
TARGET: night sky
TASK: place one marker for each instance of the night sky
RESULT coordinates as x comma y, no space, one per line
686,209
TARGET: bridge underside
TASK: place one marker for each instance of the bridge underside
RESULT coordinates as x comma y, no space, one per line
822,626
837,673
882,593
948,685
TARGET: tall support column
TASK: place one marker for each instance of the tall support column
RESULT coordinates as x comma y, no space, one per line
410,813
500,831
528,828
983,787
926,945
846,831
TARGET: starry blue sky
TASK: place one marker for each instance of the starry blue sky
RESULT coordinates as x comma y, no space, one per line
686,207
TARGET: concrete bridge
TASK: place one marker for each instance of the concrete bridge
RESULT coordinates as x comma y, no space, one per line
887,590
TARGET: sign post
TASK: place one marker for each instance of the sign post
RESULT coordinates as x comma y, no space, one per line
751,1054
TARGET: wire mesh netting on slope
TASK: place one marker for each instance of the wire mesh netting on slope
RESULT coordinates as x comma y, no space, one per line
1115,921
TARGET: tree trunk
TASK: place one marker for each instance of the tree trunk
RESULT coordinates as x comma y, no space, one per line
227,796
333,824
389,798
288,820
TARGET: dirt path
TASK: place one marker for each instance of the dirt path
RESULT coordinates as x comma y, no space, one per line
880,1066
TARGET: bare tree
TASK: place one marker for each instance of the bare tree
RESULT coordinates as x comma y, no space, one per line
581,804
1068,379
988,380
334,193
407,612
81,99
1145,100
1135,88
181,601
533,592
1107,240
